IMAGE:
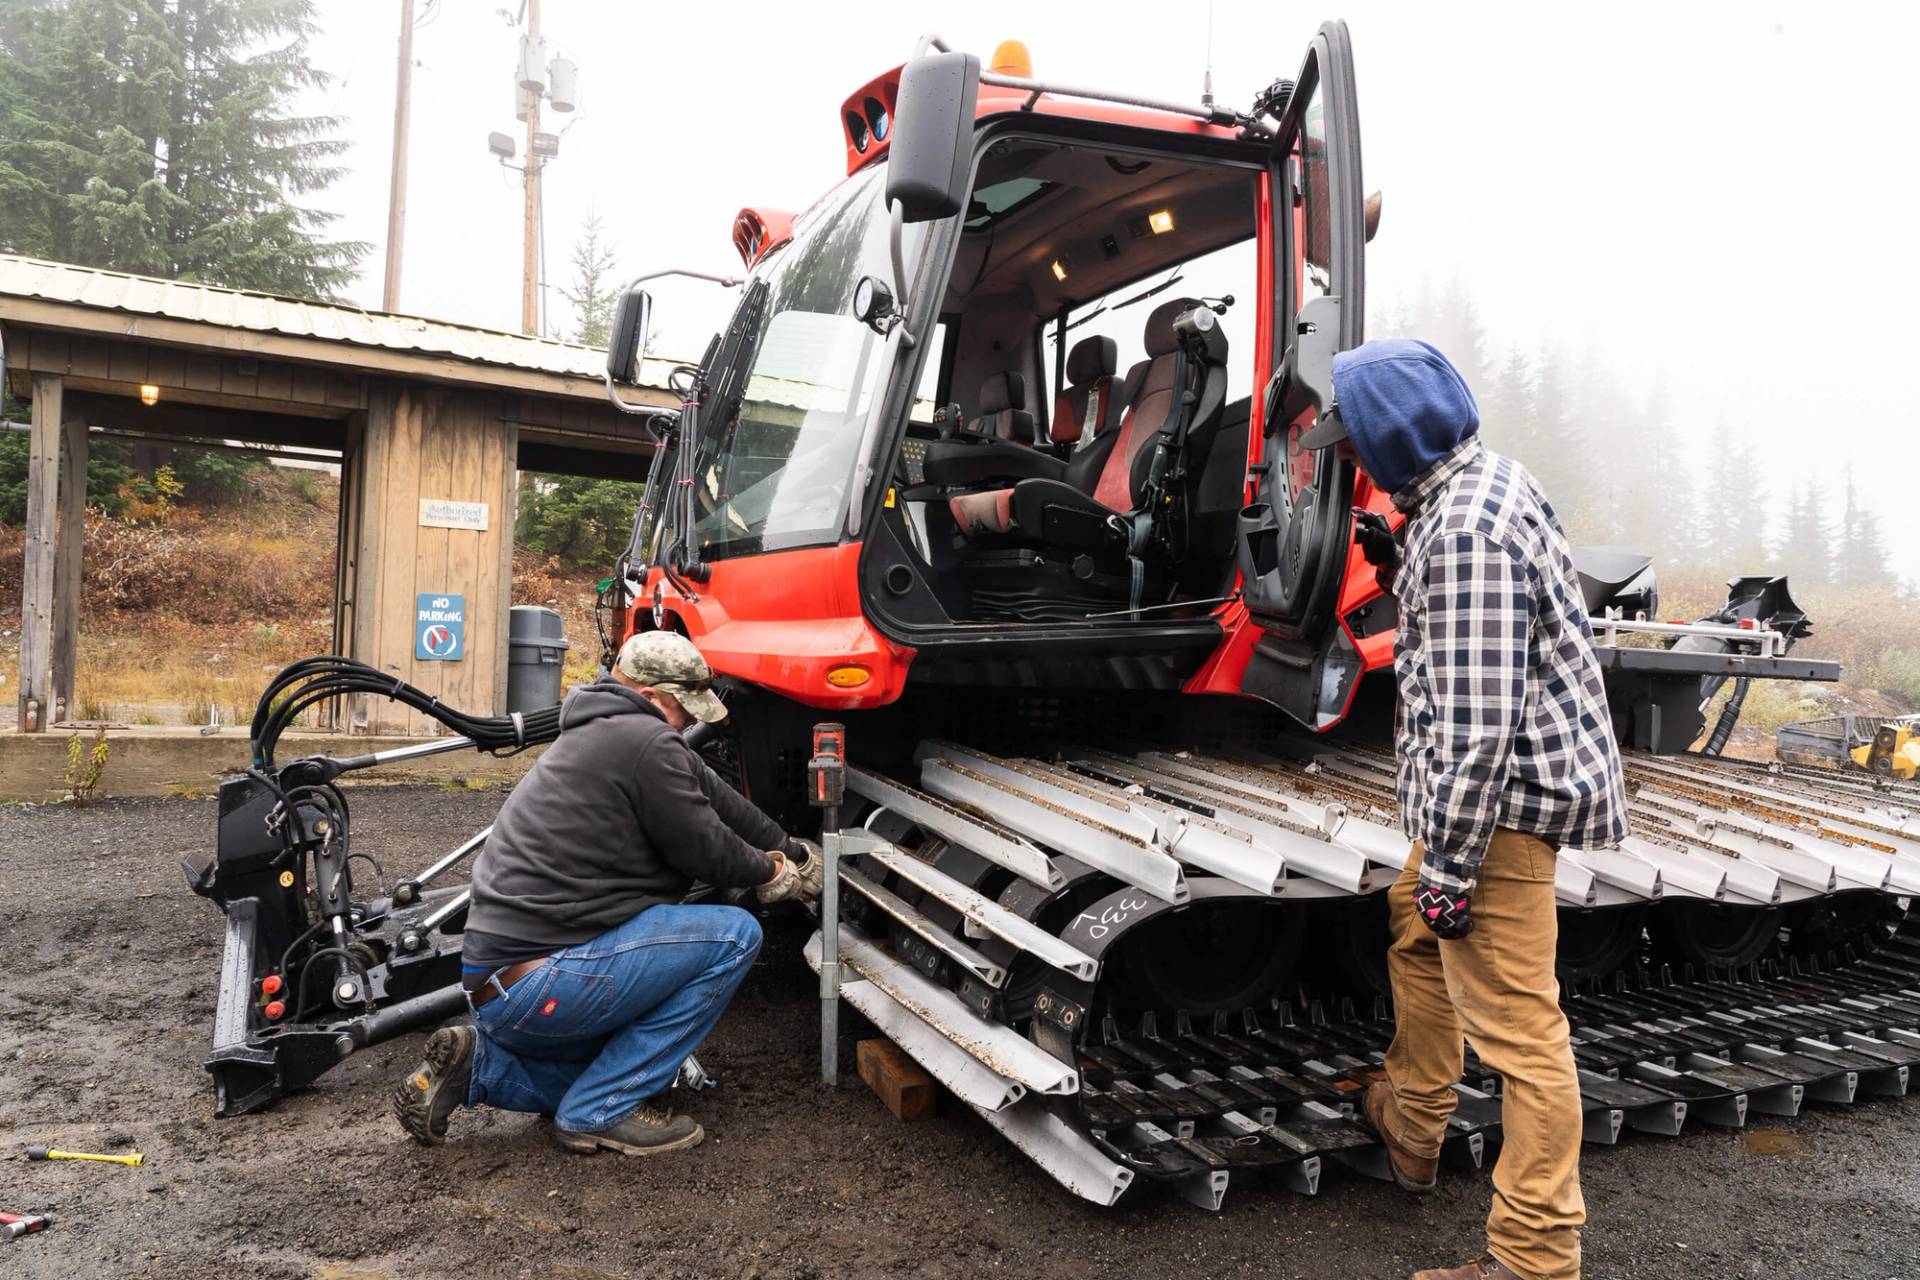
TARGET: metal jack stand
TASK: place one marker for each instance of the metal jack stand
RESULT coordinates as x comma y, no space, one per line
826,788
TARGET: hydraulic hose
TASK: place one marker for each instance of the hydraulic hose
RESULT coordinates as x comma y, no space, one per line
311,680
1729,717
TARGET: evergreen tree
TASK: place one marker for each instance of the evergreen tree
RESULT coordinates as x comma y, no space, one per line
1507,409
156,136
1447,317
581,521
1734,519
1861,556
1649,495
1561,461
594,293
1805,549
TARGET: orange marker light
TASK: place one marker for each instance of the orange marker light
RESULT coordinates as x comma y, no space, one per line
848,677
1011,58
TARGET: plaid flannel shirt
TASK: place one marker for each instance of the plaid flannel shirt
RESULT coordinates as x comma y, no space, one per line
1502,718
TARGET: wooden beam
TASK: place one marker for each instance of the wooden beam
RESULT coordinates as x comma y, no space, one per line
900,1082
36,578
67,556
172,418
351,357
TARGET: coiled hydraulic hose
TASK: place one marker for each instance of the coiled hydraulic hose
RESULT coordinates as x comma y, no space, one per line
301,684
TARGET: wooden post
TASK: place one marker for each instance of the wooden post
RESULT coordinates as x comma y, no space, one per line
67,559
397,188
509,514
530,264
36,578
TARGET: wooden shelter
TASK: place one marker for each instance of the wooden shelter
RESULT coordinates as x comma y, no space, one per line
430,422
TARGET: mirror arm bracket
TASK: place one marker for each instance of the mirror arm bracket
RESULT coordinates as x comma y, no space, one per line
896,250
647,411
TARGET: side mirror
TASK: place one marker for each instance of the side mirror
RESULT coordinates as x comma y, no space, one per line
628,341
929,159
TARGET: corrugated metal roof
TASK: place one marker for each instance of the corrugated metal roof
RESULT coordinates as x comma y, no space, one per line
299,318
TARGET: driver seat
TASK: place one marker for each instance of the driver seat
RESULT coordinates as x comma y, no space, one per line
1112,475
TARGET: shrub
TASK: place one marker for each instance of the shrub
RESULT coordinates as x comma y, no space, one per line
84,766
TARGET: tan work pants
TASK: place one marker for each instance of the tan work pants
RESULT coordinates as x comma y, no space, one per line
1496,988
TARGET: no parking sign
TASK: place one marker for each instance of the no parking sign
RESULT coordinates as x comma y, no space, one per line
440,627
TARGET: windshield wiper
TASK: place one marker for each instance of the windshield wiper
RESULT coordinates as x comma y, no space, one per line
1172,280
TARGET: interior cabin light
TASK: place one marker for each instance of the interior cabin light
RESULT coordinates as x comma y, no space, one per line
149,394
1161,221
1060,268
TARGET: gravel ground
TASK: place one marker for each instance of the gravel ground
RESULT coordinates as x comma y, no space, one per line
104,1018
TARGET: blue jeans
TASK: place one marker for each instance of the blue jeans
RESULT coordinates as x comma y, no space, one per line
604,1026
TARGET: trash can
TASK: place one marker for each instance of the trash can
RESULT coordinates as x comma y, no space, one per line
536,647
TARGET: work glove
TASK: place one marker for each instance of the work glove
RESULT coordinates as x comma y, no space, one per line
1449,915
810,862
785,884
1378,544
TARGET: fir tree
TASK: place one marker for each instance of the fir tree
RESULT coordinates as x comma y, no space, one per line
1805,549
1735,518
1507,409
156,136
593,293
1561,451
1861,556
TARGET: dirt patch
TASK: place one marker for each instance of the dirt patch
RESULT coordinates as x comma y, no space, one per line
104,1018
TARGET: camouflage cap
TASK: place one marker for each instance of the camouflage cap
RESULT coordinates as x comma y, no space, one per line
667,661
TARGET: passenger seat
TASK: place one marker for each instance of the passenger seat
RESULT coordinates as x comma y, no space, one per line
1088,405
998,413
995,418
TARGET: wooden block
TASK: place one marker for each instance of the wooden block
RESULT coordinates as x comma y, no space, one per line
898,1080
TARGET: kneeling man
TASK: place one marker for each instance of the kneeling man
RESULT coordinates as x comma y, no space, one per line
590,981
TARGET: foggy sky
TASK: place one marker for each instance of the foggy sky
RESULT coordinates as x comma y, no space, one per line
1716,195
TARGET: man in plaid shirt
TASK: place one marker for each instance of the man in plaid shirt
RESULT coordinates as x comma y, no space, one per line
1506,754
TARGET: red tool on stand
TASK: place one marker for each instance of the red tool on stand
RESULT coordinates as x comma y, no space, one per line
826,788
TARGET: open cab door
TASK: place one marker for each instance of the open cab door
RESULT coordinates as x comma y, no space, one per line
1294,537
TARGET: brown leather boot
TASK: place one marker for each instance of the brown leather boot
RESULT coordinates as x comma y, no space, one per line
1417,1174
1484,1267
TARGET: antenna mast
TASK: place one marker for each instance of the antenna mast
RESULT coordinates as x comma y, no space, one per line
1206,81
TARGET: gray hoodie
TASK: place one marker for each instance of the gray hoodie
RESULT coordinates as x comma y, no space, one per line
618,816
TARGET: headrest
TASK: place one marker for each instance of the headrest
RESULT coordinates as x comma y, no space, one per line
1092,359
1159,339
1002,391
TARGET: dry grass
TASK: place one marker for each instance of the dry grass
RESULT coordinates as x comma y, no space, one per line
188,616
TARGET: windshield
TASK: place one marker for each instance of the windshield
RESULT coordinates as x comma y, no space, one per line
778,453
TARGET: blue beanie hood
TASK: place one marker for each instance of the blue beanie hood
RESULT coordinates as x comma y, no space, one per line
1405,408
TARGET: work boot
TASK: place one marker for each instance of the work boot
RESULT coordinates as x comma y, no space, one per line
652,1130
430,1093
1484,1267
1417,1174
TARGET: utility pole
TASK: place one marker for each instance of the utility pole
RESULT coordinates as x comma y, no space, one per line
530,266
397,193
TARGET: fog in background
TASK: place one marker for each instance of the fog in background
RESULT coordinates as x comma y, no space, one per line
1702,210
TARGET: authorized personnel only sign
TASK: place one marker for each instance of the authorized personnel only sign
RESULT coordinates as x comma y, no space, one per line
440,627
438,513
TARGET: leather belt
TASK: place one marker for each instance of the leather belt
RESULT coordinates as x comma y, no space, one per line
505,976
